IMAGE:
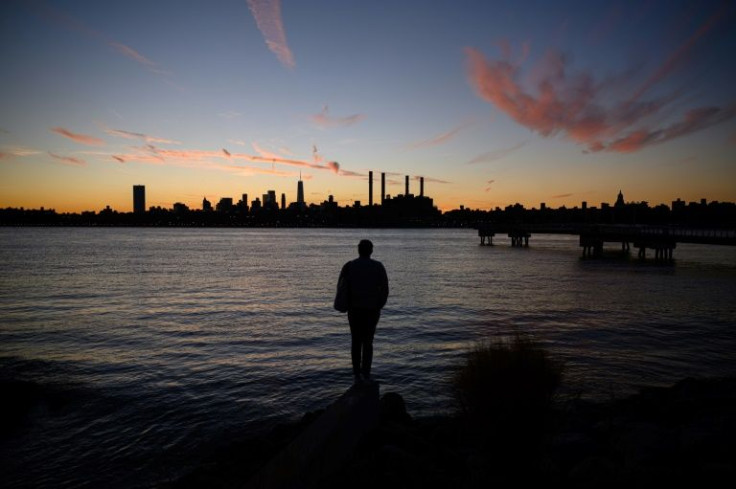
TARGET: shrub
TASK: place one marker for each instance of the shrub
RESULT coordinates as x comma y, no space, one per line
505,388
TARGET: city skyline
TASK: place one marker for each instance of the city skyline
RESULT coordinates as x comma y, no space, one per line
493,103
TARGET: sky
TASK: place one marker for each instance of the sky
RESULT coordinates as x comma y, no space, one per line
493,103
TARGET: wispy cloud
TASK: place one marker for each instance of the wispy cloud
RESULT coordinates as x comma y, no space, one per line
489,183
207,159
677,58
79,138
693,121
20,151
440,138
495,155
68,160
137,135
264,152
131,53
587,111
430,179
267,14
74,24
239,142
561,196
230,114
323,119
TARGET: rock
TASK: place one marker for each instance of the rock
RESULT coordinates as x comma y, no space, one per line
645,443
595,471
566,449
392,409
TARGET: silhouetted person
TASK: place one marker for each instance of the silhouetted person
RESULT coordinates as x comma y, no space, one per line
362,290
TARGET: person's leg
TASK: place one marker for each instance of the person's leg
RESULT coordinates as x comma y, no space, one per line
356,341
369,330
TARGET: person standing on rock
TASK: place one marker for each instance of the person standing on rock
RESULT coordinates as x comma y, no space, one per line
362,291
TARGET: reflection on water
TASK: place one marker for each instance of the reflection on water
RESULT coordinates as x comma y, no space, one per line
159,342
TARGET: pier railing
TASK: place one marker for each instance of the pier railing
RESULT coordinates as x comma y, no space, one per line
616,232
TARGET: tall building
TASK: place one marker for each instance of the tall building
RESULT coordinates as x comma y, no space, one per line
383,187
300,192
139,199
619,200
283,201
225,204
421,186
406,184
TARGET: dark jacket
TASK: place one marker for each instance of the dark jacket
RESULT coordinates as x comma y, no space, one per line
367,283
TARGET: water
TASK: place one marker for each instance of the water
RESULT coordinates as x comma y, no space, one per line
154,347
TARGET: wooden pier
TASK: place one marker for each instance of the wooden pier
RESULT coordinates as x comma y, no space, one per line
662,239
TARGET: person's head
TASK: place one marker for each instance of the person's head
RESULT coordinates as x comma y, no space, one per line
365,248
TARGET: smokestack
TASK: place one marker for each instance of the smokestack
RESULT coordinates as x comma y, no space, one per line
370,189
383,187
406,184
421,186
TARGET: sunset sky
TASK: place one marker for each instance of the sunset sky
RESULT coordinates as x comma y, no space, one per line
492,102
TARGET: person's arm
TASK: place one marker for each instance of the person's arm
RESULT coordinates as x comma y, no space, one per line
342,297
384,286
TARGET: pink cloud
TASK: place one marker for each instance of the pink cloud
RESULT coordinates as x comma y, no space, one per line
193,158
68,160
323,119
264,152
137,135
79,138
578,107
334,166
267,14
693,121
440,138
495,155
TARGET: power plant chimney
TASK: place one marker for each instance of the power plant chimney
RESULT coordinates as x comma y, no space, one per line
421,186
406,184
370,189
383,187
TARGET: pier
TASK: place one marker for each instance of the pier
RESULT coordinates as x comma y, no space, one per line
661,239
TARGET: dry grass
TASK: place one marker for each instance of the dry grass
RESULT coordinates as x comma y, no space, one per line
505,388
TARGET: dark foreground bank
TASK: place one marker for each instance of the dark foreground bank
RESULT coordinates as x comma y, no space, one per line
685,433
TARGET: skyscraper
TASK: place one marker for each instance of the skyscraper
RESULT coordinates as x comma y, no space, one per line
139,199
383,187
300,192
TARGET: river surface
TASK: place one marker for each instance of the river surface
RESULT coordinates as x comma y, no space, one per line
154,347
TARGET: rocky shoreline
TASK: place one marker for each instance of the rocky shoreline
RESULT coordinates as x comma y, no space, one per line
684,433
